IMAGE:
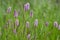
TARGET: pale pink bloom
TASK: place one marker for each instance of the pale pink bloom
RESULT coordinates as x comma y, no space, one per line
59,27
56,24
31,13
26,6
27,24
46,23
36,22
14,31
17,22
15,14
9,10
28,36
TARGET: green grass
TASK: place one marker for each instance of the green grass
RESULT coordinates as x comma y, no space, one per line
43,10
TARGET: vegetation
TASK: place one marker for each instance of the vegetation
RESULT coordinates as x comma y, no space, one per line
39,21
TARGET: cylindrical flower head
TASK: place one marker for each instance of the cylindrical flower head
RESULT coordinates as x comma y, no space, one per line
28,36
15,14
36,22
9,10
59,27
17,22
31,13
27,24
46,23
14,31
56,24
26,6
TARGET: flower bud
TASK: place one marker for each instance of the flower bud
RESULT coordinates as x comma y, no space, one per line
27,24
46,23
31,13
36,22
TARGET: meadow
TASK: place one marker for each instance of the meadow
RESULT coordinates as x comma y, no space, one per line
29,19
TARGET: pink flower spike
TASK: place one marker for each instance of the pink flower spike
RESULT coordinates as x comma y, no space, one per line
59,27
36,22
26,6
56,24
31,13
15,14
46,23
27,24
17,22
9,10
28,36
14,31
